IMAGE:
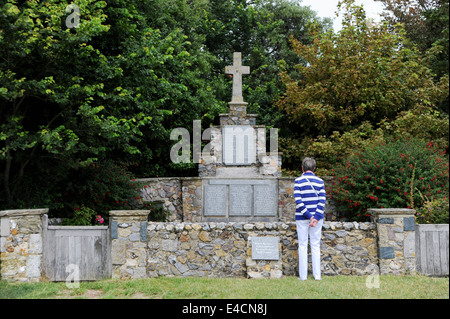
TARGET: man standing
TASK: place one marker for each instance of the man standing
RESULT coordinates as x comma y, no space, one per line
309,193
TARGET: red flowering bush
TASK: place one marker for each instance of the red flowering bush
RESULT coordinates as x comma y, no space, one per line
395,174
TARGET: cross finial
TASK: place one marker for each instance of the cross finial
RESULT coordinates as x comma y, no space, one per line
237,69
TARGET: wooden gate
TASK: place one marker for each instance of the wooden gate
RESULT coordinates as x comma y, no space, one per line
77,253
432,249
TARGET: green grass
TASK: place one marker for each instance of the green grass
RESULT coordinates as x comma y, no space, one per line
348,287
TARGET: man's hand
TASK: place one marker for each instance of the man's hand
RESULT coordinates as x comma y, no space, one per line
313,222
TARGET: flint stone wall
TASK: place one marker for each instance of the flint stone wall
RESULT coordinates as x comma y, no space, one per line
224,250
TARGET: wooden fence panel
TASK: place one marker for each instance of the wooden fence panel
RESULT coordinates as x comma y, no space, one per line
432,249
85,247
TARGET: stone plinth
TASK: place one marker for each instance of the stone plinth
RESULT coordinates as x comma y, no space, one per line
21,244
396,240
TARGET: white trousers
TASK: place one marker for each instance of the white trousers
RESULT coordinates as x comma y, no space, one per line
315,234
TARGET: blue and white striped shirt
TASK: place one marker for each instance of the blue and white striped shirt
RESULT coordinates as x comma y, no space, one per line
309,202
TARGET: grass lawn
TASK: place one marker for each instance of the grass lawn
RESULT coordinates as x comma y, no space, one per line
348,287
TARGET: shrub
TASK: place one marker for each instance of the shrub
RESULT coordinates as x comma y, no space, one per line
82,216
100,187
433,211
389,174
157,212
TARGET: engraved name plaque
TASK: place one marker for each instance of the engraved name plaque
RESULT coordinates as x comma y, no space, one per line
215,200
240,200
266,200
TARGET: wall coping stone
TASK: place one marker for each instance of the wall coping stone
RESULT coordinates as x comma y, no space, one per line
152,179
129,213
76,227
254,225
23,212
400,212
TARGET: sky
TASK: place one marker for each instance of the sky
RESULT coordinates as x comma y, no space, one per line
327,8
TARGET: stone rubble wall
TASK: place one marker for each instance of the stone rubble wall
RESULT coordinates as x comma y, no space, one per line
141,249
224,250
163,190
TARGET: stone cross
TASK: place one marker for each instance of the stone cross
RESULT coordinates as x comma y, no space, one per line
237,69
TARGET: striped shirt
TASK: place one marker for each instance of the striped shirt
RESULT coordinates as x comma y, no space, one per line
309,202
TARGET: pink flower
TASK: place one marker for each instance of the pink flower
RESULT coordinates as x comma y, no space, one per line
99,219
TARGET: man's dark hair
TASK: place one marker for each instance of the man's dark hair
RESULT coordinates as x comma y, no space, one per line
309,164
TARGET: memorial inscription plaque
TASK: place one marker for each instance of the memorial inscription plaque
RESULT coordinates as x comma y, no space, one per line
265,199
240,200
215,200
265,248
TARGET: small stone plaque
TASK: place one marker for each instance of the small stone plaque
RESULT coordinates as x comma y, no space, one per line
266,200
215,200
386,253
409,224
114,233
240,200
265,248
385,220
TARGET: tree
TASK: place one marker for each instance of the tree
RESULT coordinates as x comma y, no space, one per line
81,94
362,73
426,23
259,29
101,91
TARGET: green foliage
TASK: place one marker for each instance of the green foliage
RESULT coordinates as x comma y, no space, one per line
426,24
359,86
390,173
330,150
158,213
362,73
433,211
82,216
99,187
114,87
111,88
